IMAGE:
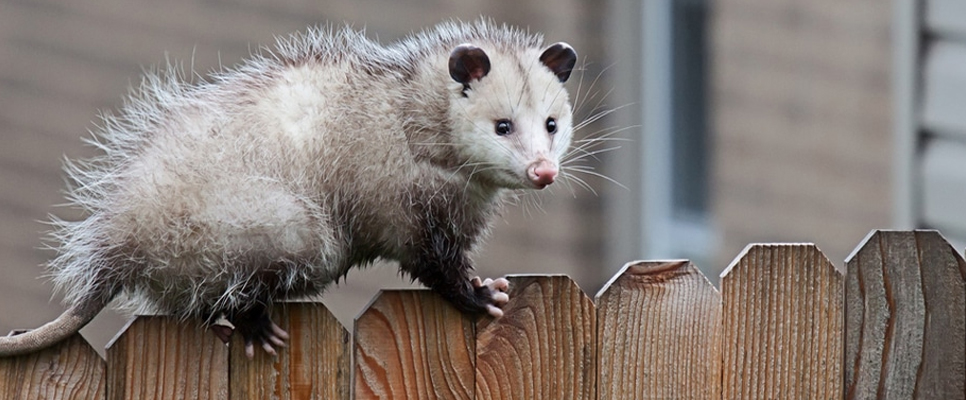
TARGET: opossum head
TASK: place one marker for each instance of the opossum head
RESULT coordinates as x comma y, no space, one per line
511,113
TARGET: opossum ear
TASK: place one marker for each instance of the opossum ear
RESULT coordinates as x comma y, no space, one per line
560,58
468,62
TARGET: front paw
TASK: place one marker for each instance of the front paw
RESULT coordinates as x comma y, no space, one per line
255,327
492,293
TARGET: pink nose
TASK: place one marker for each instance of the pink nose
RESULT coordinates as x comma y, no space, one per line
542,173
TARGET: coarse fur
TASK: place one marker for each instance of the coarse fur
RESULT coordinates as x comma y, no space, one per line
271,180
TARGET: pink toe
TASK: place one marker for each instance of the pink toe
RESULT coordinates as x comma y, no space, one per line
269,349
278,331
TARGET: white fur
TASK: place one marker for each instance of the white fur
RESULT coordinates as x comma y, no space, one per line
499,96
201,185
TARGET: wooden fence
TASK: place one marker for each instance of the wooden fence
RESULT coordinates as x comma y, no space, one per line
786,325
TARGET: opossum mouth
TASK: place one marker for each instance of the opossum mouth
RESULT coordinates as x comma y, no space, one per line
509,179
537,186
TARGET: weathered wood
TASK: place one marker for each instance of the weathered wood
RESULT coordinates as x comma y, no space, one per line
159,357
412,344
782,324
69,370
544,347
905,318
315,365
659,333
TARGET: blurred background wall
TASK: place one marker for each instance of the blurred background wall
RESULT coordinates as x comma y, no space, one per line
803,122
745,121
761,121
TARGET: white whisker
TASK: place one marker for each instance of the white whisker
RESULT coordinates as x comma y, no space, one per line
597,174
586,154
582,183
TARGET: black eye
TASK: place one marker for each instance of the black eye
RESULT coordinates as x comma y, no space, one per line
551,125
504,127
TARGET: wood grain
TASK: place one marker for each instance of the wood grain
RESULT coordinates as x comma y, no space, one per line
659,333
782,324
315,365
544,347
412,344
157,357
905,318
67,371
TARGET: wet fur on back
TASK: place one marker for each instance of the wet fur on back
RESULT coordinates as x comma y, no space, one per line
274,178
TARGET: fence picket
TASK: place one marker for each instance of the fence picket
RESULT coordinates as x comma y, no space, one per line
70,370
905,318
544,347
315,365
659,333
412,344
783,317
786,324
157,357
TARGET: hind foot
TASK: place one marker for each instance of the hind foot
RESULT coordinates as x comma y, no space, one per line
256,327
493,293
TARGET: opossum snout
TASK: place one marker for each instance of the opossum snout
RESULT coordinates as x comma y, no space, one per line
542,173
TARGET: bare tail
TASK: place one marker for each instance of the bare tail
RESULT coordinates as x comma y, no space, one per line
55,331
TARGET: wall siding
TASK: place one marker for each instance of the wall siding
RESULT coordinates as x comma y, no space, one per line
940,164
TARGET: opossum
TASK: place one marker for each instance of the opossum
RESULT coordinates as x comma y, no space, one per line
271,180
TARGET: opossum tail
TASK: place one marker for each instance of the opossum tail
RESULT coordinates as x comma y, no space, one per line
67,324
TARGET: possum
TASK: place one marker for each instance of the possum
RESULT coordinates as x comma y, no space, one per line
271,180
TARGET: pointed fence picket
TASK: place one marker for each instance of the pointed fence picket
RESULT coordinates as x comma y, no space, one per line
544,347
786,324
410,344
782,324
156,357
905,308
659,333
70,370
315,365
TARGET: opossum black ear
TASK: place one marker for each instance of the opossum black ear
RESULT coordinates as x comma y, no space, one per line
560,58
468,62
